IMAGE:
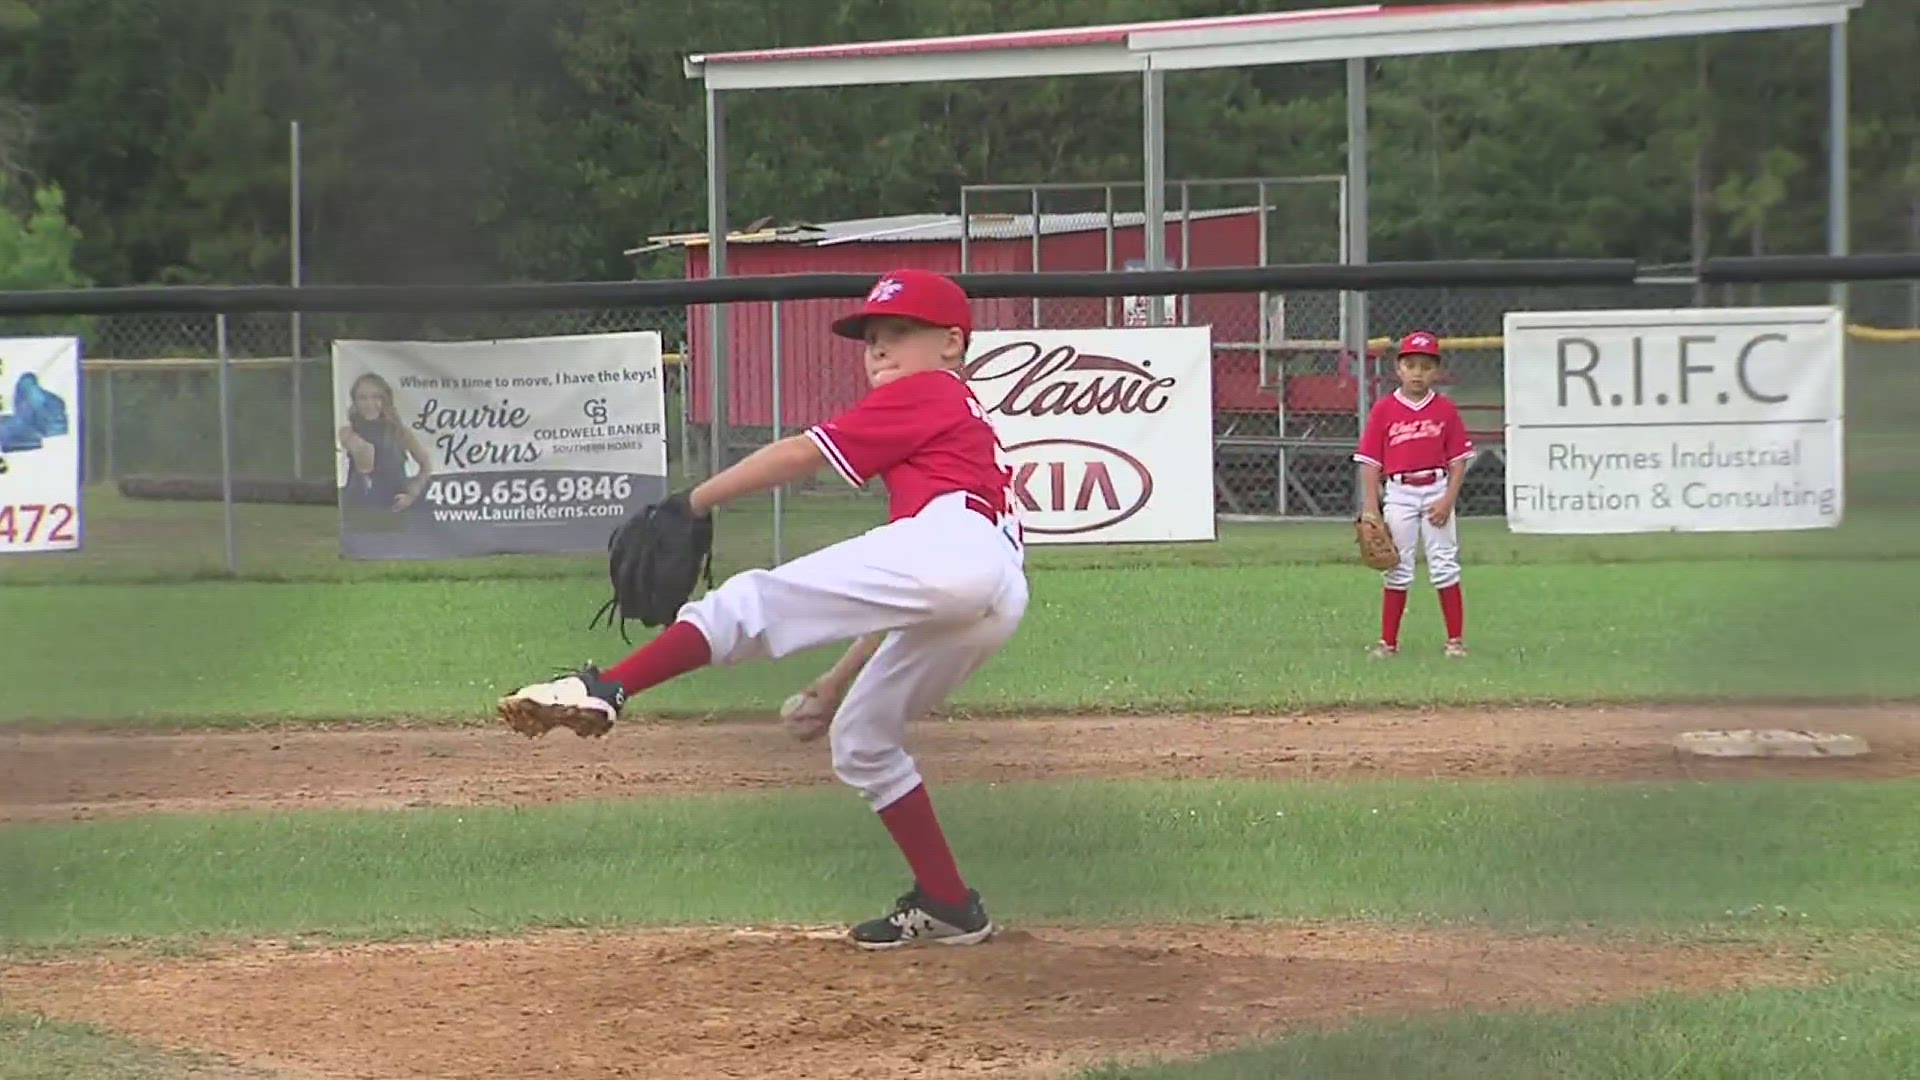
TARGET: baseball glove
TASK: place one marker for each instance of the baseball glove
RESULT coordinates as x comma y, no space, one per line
1376,543
653,560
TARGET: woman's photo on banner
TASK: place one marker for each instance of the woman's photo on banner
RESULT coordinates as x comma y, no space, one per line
376,445
376,492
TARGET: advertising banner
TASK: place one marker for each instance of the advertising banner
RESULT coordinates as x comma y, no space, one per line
40,442
1687,420
450,449
1109,431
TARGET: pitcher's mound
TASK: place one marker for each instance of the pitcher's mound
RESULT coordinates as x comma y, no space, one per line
1770,743
800,1003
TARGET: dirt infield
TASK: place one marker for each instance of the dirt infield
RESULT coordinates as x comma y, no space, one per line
701,1004
74,775
797,1002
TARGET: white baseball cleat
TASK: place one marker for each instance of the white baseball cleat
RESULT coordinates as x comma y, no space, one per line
1381,650
581,700
1456,647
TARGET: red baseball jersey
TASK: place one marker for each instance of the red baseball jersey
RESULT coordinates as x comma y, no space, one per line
924,435
1404,437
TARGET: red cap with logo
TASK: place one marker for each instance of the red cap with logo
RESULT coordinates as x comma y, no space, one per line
920,295
1420,343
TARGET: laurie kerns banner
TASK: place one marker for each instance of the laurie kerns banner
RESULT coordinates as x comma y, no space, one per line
1108,432
493,447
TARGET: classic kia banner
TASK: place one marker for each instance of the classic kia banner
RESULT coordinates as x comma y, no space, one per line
494,447
1109,432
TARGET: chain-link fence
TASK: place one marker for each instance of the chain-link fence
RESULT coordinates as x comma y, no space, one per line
152,394
1288,401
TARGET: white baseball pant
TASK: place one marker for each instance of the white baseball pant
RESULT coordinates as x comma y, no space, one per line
947,587
1405,510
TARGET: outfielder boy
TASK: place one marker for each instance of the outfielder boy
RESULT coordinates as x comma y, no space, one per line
1417,443
932,594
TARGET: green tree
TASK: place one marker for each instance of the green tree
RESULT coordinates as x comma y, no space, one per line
497,139
36,241
37,245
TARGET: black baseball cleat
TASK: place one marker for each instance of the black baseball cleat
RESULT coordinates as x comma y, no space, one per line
918,920
581,700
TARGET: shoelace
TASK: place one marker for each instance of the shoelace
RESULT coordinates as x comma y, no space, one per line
588,676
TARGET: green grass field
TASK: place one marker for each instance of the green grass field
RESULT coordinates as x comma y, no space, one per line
1859,1027
1272,616
144,629
34,1048
1280,639
1515,855
131,541
1677,861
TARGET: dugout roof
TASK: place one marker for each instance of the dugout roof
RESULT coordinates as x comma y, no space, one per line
1358,34
1281,37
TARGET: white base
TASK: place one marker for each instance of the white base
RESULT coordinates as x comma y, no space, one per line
1770,743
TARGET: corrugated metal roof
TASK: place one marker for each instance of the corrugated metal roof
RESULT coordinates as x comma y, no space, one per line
925,228
1055,38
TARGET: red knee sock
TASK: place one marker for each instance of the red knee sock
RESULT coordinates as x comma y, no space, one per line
916,830
679,649
1393,604
1454,610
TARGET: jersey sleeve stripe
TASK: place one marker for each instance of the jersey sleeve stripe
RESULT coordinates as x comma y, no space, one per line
1365,460
1462,455
834,457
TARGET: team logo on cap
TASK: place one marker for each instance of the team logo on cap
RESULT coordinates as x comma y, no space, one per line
884,290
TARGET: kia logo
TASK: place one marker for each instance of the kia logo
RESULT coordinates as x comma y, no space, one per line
1076,486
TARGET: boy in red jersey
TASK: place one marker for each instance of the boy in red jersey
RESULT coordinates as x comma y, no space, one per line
942,584
1415,440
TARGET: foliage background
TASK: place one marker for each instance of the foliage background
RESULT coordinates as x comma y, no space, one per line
498,140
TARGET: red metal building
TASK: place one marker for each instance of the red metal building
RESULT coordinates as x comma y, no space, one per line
821,374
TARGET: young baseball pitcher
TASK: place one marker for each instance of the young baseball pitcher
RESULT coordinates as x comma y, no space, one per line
931,595
1415,440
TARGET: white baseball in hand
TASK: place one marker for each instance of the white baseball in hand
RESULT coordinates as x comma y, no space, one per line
806,715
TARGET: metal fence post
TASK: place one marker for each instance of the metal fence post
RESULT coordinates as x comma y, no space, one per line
1154,225
966,231
1106,302
683,380
719,323
293,335
1356,301
777,501
1839,234
226,442
1035,257
107,405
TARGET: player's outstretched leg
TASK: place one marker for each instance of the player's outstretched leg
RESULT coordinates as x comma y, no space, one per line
941,566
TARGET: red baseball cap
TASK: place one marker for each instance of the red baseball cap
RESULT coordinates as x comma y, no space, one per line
920,295
1420,343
